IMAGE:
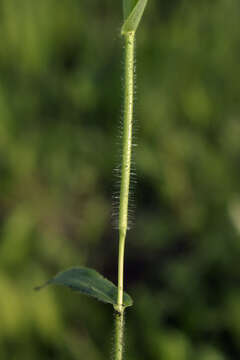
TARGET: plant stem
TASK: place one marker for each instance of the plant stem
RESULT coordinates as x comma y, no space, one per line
125,182
119,331
126,156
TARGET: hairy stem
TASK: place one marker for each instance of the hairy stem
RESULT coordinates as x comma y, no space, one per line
125,182
126,157
119,334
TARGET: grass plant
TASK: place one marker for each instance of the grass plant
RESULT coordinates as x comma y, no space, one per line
85,280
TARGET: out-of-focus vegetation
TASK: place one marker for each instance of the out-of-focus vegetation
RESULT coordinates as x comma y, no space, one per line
60,98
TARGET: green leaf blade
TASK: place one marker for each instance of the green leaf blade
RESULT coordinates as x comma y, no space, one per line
133,19
89,282
128,6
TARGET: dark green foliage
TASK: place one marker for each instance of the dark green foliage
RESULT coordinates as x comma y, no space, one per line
88,282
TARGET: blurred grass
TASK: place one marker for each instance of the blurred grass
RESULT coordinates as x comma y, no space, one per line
60,100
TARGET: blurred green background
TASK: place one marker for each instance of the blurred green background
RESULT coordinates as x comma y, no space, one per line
61,68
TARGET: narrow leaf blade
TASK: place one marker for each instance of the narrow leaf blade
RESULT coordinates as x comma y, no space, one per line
134,18
128,6
89,282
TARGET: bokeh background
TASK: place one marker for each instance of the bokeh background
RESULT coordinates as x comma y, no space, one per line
61,68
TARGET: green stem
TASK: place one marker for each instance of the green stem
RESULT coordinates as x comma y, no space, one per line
119,331
125,182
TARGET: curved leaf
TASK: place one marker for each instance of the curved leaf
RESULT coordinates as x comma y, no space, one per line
90,282
133,19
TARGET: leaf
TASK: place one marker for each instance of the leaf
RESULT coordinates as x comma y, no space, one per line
133,19
90,282
128,5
